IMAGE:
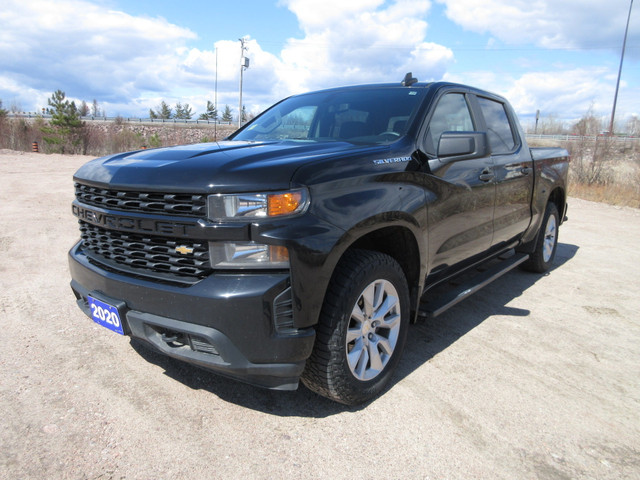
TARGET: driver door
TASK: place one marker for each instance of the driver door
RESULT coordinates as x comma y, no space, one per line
461,194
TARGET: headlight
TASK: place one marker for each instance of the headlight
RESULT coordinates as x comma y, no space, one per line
247,255
249,206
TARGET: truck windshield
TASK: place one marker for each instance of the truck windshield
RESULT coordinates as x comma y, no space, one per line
363,116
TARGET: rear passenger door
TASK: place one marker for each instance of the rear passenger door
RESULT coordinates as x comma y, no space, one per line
513,168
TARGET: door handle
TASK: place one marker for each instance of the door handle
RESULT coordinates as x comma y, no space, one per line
526,170
486,176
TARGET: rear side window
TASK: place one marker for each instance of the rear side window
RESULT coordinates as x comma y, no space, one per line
499,130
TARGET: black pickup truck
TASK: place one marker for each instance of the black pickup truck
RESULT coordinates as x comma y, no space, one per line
303,246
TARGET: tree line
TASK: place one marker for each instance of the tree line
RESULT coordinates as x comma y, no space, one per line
65,131
185,112
163,111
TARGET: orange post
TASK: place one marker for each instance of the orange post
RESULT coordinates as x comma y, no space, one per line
34,147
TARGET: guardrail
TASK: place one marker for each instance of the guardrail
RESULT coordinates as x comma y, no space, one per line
576,138
184,121
119,118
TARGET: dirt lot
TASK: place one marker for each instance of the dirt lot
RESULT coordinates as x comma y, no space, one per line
536,377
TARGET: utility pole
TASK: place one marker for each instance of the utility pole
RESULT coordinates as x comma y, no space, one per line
215,100
624,46
244,64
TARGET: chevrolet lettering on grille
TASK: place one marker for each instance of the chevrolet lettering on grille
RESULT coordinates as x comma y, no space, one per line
133,224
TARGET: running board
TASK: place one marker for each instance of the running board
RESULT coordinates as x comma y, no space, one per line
456,294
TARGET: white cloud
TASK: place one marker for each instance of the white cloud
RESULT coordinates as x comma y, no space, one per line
360,41
566,94
589,24
86,50
131,63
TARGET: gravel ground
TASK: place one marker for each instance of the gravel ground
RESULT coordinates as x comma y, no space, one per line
535,377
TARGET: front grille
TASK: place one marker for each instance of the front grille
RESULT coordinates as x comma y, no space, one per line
177,204
146,252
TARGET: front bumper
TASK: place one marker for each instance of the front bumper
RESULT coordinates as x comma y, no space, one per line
226,322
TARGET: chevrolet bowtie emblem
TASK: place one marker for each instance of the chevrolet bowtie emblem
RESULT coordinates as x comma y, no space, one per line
184,250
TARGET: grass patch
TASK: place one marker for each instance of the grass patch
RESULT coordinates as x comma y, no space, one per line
103,138
621,195
602,169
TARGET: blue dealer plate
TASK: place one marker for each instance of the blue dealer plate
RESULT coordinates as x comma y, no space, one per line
105,315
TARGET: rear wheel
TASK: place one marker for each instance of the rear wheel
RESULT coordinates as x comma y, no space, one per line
362,329
547,242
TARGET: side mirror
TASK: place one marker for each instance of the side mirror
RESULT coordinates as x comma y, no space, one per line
455,146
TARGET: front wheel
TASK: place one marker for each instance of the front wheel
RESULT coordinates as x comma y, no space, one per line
362,329
547,242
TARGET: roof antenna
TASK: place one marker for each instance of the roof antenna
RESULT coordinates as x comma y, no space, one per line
409,80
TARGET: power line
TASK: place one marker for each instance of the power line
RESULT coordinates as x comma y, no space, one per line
590,47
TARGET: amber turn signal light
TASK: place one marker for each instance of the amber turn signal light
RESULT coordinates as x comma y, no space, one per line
283,203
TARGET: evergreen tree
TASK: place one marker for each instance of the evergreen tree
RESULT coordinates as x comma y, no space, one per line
226,115
162,111
66,130
211,113
165,111
63,112
244,114
183,111
3,112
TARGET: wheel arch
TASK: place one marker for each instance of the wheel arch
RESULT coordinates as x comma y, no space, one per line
559,197
401,244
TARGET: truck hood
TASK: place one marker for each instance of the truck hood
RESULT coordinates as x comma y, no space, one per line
213,167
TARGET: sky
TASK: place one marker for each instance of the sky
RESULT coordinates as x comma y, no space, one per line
557,56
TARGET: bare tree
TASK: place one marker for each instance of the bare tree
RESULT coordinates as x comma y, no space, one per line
592,152
84,109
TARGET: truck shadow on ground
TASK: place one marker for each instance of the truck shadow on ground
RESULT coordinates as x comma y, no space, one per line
426,339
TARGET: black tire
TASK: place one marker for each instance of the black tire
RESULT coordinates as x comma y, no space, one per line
358,345
546,243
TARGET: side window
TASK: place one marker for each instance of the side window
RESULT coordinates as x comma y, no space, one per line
451,115
499,131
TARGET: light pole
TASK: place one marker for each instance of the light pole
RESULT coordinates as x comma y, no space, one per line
244,64
624,45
